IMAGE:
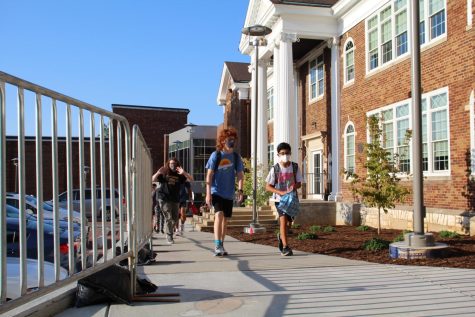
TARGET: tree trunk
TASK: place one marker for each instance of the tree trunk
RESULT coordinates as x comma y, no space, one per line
379,221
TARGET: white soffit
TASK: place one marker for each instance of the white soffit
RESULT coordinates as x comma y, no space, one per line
352,12
223,86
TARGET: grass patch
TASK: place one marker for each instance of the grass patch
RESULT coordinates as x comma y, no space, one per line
362,228
315,228
329,229
295,226
449,234
307,236
375,244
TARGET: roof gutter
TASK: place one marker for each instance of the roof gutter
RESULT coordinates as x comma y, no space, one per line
304,4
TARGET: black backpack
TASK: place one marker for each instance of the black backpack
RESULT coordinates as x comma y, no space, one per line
218,160
295,167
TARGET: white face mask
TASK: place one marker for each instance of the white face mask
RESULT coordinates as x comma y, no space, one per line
284,158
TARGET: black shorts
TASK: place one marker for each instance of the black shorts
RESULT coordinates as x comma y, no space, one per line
222,204
282,214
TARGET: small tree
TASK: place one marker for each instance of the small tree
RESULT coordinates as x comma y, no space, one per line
380,187
262,196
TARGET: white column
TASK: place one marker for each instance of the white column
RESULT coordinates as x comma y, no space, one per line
262,114
287,106
253,106
469,14
277,103
335,118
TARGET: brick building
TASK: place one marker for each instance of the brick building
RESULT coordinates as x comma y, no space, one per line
233,95
155,123
329,64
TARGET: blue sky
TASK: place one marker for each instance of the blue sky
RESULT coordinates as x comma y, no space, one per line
147,52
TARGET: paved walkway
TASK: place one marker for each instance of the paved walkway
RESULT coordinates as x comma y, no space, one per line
254,280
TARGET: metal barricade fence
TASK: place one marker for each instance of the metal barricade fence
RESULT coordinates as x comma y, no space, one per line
122,211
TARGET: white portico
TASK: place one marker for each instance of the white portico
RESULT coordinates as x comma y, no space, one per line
297,31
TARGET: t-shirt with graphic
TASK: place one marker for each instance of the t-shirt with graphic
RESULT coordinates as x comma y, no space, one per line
224,177
285,179
174,181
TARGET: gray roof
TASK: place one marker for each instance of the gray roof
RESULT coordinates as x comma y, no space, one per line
313,3
239,71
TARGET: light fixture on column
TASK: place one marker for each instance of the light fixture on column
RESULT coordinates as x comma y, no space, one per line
258,32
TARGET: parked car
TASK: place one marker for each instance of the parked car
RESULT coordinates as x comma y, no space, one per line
31,203
13,276
13,243
63,201
13,212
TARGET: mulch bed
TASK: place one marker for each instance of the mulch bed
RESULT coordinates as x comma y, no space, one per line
346,242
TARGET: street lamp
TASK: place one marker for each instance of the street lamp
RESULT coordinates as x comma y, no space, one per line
15,162
191,155
258,32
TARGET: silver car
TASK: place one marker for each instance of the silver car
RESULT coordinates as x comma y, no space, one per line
76,201
13,199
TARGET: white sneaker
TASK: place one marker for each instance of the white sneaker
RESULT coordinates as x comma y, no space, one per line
170,239
218,251
182,228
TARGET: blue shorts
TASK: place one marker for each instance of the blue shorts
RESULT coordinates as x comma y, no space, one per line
222,204
281,213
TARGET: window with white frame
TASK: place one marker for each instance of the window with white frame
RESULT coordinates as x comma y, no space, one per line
396,120
387,29
349,61
350,148
270,103
270,154
316,77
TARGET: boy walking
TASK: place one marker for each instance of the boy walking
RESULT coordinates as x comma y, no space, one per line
284,177
223,166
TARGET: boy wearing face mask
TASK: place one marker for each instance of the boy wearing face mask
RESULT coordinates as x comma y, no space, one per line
223,166
173,177
283,178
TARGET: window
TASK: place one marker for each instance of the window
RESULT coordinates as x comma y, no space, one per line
387,29
396,120
316,78
350,148
270,103
270,154
349,61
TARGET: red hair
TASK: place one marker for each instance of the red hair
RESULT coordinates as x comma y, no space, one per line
223,135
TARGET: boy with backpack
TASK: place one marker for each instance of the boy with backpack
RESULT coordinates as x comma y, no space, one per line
223,166
283,178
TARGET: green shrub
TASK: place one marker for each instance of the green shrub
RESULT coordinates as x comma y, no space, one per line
375,244
295,226
449,234
362,228
276,231
315,228
329,229
400,237
307,236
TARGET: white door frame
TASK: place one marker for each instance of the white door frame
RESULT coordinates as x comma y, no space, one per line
310,178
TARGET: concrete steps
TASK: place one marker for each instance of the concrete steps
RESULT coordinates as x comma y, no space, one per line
242,217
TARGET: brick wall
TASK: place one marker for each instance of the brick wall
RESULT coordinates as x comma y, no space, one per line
154,123
237,114
447,64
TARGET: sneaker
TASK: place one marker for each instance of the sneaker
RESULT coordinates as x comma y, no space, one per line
224,251
170,239
182,228
287,251
281,245
178,233
218,251
161,230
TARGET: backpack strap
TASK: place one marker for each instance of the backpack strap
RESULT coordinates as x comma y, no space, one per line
218,160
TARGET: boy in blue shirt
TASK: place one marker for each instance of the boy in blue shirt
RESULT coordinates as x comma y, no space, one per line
223,166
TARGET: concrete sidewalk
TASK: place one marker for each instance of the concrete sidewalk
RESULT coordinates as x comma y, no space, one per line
255,280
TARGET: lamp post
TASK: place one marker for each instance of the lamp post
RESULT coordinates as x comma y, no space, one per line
258,32
191,154
15,162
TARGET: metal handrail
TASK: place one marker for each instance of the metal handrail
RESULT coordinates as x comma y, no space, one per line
137,232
